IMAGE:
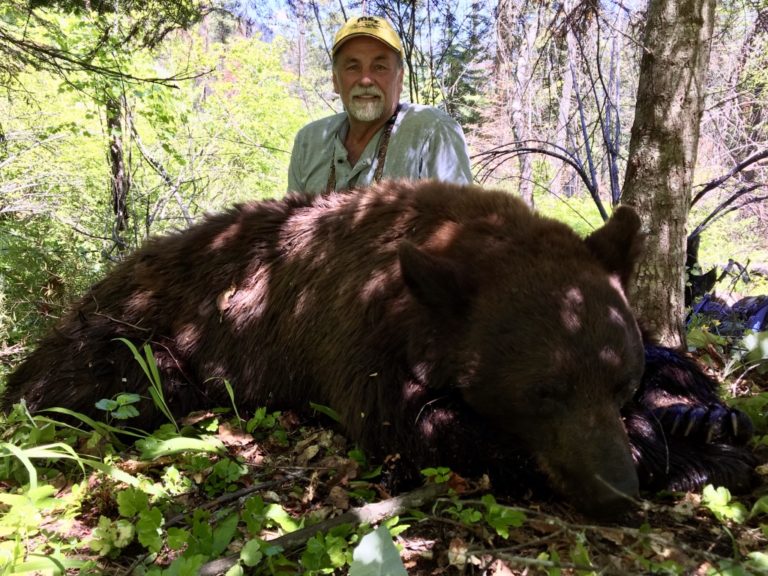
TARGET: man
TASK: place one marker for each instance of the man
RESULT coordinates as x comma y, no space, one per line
377,136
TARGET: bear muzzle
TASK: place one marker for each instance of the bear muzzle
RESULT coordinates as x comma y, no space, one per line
593,468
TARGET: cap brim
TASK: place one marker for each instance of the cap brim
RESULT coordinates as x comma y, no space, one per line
364,34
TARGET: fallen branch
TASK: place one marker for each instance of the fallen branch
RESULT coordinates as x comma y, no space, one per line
368,514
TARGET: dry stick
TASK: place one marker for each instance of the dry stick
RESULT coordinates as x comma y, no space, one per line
224,499
540,563
368,514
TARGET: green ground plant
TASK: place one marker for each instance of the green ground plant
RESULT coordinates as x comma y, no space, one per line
195,497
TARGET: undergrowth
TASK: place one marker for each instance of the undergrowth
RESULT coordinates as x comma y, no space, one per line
224,493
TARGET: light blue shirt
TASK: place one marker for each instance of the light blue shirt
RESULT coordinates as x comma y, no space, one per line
425,143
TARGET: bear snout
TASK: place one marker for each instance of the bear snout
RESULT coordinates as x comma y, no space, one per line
593,467
612,498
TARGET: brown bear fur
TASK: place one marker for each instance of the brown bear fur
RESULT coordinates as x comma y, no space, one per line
448,324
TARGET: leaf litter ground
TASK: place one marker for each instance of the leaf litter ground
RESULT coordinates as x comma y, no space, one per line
306,472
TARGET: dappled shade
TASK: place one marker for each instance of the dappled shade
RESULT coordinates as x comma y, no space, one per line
448,325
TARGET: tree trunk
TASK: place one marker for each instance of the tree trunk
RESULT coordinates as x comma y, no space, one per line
516,47
120,181
522,108
563,181
662,155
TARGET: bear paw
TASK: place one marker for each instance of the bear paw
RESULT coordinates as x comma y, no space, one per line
715,423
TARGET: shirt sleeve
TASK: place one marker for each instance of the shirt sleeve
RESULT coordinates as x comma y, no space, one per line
445,155
294,178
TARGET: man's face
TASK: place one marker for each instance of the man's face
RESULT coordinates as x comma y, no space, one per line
368,77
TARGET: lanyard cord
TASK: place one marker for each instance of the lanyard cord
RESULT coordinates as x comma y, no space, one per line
381,154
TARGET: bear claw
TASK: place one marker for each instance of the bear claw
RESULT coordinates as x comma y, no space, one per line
710,424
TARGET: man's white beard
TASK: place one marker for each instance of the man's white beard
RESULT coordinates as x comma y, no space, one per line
366,111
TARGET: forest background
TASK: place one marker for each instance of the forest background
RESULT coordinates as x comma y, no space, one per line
116,124
121,120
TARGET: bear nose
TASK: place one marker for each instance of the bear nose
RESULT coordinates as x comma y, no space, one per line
613,499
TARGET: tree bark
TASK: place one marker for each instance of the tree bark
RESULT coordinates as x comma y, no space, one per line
516,48
563,181
120,181
662,155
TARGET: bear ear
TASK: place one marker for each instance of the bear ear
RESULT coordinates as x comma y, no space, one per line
436,282
618,244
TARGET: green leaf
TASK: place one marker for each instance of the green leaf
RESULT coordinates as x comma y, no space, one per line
131,501
223,534
54,563
277,515
109,535
186,565
758,561
55,451
149,367
553,557
13,499
104,429
125,412
330,412
124,532
177,538
501,518
437,475
251,553
262,420
336,547
698,338
106,404
117,474
24,458
148,528
236,570
759,507
282,518
580,554
470,516
152,448
231,394
313,557
376,555
126,398
718,501
756,346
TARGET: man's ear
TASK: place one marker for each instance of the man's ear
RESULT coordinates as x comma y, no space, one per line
335,82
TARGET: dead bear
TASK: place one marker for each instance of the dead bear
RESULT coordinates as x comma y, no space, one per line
449,325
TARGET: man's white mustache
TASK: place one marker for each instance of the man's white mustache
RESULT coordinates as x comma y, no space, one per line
372,91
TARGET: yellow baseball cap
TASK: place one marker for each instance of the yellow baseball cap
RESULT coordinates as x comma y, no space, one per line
371,26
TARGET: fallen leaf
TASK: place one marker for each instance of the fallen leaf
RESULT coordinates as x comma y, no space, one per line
339,498
457,553
307,455
233,436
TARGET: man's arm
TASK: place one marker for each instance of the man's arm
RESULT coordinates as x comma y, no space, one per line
445,155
